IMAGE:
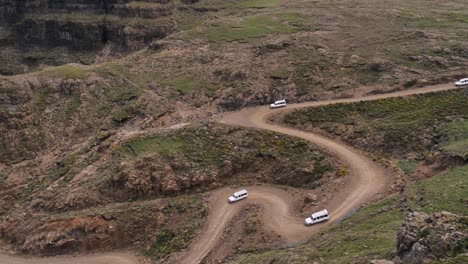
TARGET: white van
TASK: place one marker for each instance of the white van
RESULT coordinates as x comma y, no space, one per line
280,103
462,82
242,194
317,217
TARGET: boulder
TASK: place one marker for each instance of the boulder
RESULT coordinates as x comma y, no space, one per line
309,198
227,169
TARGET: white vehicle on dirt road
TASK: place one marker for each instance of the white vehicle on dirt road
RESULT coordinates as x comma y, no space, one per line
462,82
317,217
279,103
242,194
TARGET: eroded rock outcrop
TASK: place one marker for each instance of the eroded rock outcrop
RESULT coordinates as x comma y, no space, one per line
85,24
423,238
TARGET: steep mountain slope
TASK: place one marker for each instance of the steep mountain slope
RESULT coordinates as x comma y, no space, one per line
61,184
85,24
33,33
423,133
88,148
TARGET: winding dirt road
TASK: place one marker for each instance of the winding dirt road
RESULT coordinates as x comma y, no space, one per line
367,179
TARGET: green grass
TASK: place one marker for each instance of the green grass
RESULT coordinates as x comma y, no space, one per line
292,17
112,68
280,74
65,72
143,5
304,75
237,22
238,4
208,147
254,3
18,61
72,106
40,100
244,29
176,238
10,62
187,20
64,166
371,232
406,166
142,147
458,148
125,113
456,138
169,241
134,81
186,85
365,236
451,21
447,192
396,125
122,92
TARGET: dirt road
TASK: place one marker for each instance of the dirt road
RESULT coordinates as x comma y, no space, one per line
367,179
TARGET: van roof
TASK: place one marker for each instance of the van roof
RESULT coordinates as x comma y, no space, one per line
280,101
240,192
321,213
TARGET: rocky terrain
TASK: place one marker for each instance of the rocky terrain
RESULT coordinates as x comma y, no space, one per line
422,134
56,32
85,25
423,237
117,137
63,186
248,52
424,224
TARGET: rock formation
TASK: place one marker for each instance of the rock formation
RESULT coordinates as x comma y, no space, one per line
84,24
423,238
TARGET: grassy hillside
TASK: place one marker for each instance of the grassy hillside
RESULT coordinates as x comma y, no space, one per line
371,232
400,127
256,51
80,137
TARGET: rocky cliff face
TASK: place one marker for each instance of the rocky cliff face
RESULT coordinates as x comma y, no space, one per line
39,33
84,24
